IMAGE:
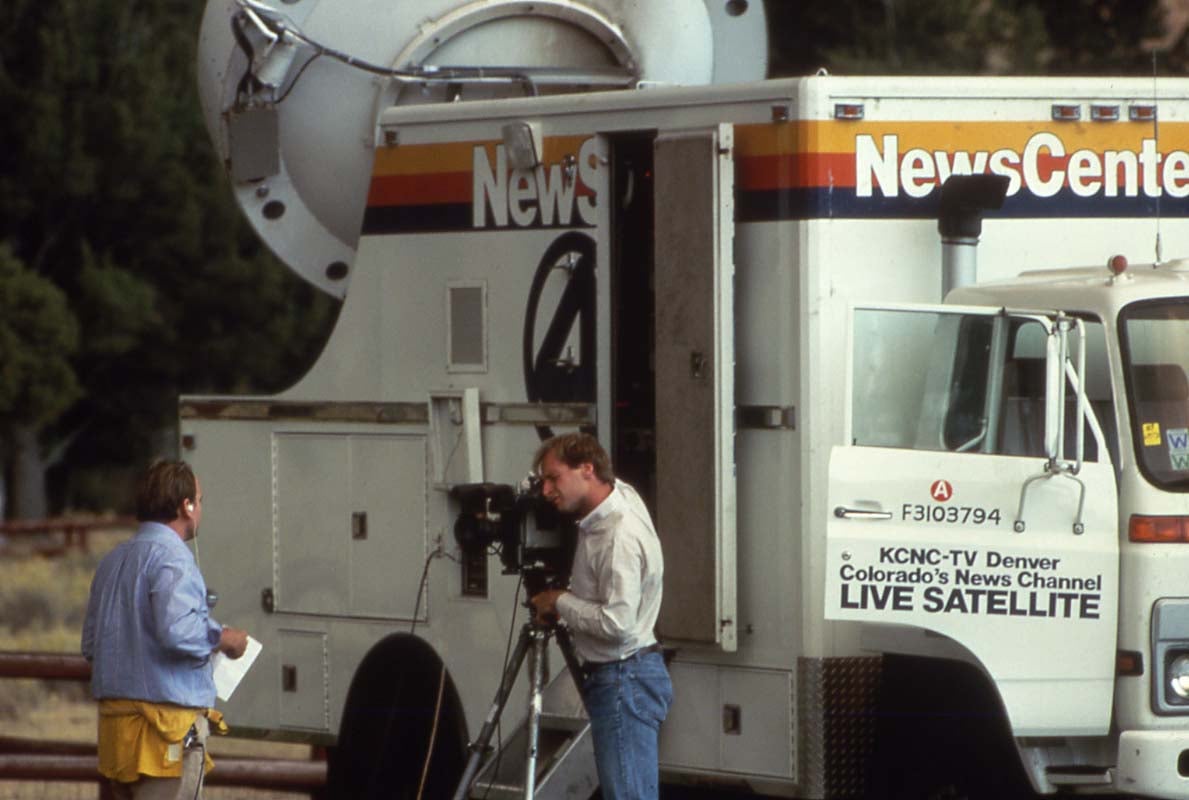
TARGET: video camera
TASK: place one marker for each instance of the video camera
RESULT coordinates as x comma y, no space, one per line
531,536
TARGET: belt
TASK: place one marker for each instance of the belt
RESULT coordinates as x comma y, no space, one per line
655,647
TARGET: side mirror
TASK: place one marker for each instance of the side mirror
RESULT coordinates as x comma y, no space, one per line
1054,391
1057,368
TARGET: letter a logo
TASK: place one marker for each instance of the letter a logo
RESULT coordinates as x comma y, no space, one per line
941,491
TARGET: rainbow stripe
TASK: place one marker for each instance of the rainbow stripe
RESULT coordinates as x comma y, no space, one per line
829,169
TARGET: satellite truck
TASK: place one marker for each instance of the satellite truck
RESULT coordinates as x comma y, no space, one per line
924,502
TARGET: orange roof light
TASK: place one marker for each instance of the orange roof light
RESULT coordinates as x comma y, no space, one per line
1066,112
1141,113
1117,264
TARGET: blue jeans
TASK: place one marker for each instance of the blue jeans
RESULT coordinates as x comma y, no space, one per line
627,701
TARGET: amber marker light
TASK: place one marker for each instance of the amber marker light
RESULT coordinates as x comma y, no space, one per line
1129,663
1158,530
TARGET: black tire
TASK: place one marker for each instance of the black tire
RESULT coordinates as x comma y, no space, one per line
387,724
942,735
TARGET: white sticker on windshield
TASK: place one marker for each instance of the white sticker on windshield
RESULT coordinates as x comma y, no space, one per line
1178,447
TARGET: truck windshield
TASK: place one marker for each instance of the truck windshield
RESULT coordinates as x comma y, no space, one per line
1155,340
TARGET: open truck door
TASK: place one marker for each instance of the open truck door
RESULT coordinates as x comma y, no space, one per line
695,373
962,505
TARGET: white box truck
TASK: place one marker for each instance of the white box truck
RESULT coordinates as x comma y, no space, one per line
912,547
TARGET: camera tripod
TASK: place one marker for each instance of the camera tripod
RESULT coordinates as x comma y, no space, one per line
534,639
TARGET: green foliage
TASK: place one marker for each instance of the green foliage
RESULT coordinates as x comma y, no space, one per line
950,37
109,189
1101,37
38,334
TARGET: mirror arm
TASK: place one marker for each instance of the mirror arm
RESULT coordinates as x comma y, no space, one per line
1052,470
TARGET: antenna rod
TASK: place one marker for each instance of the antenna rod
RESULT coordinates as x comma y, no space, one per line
1156,136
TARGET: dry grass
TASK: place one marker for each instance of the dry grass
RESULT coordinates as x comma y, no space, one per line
42,603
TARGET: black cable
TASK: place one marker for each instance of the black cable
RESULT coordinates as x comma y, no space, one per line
248,83
201,770
297,77
499,721
437,553
278,27
511,75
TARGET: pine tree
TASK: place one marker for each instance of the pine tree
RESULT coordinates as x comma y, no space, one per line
951,37
110,190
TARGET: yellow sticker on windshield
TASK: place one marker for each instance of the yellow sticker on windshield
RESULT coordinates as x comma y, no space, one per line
1151,434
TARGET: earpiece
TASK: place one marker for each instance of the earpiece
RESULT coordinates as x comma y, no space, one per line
189,507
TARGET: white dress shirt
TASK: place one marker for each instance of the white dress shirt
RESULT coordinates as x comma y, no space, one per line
615,582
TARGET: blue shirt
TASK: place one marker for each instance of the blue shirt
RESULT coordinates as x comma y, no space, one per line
148,632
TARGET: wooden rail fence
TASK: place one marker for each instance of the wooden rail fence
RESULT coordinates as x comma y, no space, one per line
59,534
37,760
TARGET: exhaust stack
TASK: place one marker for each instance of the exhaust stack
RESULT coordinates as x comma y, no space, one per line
960,221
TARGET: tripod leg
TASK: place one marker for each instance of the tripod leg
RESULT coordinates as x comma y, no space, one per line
536,671
480,745
566,645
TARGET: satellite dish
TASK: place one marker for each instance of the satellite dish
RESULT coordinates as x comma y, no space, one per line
291,90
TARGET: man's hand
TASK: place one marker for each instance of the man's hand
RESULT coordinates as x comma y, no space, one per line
545,604
233,642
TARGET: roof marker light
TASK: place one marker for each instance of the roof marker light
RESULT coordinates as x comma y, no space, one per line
1104,113
1141,113
851,111
1066,112
1117,264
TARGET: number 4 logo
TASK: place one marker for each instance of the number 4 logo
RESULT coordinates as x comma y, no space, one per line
941,491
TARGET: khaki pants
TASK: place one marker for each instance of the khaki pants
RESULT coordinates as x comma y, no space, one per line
187,787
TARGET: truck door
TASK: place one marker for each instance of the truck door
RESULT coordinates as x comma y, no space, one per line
960,506
695,373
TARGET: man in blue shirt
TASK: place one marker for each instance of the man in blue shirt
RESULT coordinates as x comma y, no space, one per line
149,637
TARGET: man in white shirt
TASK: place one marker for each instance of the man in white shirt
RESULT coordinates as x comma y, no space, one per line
610,609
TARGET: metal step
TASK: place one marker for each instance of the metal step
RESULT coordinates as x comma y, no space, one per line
1079,775
565,752
565,763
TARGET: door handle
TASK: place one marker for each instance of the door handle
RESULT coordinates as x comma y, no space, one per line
842,512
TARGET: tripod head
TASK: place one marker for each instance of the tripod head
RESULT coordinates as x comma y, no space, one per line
535,583
537,580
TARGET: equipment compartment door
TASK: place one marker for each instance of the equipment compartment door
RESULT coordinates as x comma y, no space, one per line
947,430
695,373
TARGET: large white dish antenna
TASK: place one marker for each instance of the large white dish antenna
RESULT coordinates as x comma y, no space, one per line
296,122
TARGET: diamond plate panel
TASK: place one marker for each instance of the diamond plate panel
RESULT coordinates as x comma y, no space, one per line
836,723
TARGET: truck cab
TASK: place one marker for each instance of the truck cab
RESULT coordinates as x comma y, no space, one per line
1136,384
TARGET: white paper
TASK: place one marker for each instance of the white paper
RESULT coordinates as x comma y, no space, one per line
230,671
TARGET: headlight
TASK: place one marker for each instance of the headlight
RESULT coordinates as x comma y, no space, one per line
1178,676
1170,656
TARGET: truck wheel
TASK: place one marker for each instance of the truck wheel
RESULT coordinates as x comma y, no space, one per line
942,735
391,715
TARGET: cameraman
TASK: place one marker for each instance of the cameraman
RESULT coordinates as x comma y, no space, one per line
611,607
